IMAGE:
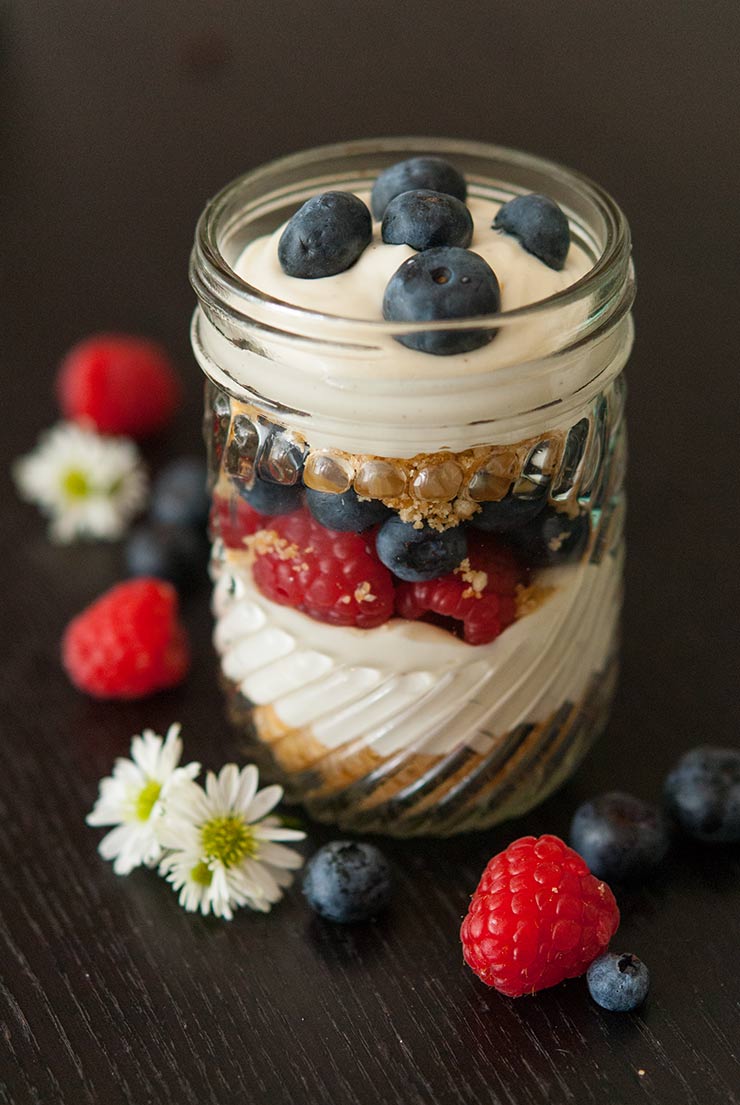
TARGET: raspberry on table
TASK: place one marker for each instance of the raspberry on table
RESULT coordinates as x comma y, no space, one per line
479,598
333,577
233,519
122,384
537,917
128,643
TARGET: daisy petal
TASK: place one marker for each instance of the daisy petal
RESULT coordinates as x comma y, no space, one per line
267,832
248,784
131,799
283,877
114,842
278,856
263,880
263,802
228,785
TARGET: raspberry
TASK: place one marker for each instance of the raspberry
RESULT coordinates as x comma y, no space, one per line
128,643
484,607
537,917
122,384
233,520
333,577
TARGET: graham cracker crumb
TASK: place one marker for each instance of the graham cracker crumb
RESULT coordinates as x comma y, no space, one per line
555,542
529,599
478,581
269,540
363,593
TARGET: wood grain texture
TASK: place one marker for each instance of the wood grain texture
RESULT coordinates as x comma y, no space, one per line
118,121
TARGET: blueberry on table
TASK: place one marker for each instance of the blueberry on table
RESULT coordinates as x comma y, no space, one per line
619,836
539,224
702,793
552,539
508,513
424,219
347,881
325,236
443,283
433,173
271,498
618,983
414,555
178,554
180,493
345,513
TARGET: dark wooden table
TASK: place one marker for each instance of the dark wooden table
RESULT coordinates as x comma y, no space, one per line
118,121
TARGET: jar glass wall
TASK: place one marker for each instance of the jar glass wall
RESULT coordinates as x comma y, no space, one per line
417,569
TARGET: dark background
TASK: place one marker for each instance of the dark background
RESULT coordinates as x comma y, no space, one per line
119,119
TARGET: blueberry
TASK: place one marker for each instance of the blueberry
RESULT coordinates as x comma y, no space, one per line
180,493
271,498
433,173
540,226
442,283
619,836
702,793
178,554
618,983
325,236
424,219
417,554
345,513
551,539
509,513
347,881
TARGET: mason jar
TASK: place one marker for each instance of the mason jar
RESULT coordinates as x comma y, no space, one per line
378,711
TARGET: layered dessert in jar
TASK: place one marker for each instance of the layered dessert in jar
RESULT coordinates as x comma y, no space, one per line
414,418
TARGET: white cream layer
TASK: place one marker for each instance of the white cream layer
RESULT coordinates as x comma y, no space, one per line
411,685
367,393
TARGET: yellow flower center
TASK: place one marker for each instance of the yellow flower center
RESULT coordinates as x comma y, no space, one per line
228,839
201,874
146,798
75,484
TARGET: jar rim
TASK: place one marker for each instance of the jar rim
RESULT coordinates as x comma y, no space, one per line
214,279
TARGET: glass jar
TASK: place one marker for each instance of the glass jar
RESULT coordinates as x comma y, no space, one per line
393,723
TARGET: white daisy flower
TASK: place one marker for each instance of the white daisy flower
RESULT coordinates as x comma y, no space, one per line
133,799
86,484
222,849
